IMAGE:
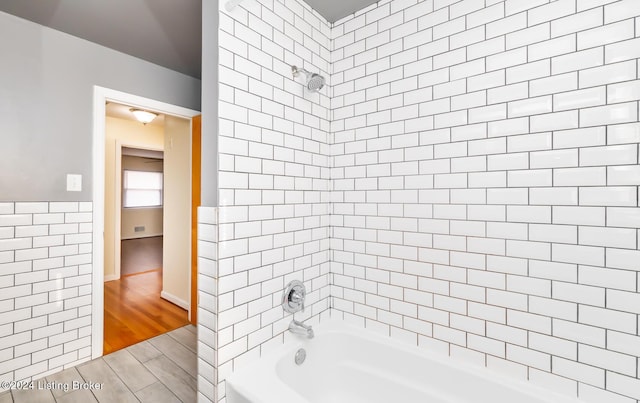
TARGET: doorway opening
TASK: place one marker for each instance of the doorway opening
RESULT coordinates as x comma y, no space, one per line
134,309
142,275
141,210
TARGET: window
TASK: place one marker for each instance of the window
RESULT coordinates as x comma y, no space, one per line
142,189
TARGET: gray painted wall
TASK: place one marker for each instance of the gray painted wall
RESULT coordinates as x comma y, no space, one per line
209,197
46,105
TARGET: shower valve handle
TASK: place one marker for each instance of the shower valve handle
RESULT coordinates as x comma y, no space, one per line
294,296
298,298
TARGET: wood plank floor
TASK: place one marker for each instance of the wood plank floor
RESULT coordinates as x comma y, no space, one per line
134,311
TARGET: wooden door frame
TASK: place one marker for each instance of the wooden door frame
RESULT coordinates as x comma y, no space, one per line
196,174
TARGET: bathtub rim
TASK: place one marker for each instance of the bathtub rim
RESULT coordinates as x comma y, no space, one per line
262,372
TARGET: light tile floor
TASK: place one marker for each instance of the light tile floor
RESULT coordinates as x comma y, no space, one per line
158,370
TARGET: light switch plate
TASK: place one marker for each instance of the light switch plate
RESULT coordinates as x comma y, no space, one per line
74,183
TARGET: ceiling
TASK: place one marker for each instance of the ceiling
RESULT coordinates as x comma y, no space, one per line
164,32
333,10
139,152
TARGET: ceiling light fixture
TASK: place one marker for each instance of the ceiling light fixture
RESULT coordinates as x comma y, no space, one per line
143,117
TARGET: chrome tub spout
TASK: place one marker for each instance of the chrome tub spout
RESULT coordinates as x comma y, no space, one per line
300,328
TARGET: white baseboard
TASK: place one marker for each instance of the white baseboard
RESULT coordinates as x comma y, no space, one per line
174,300
111,277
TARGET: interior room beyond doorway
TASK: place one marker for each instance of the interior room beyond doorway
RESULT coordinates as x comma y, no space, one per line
143,161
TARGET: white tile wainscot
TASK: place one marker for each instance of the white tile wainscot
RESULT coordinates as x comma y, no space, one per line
45,287
207,302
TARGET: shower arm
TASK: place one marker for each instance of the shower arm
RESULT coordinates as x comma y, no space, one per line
295,71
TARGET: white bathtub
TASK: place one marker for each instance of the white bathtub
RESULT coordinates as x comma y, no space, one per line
345,364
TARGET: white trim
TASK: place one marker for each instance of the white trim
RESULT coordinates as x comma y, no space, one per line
100,96
97,281
117,199
111,277
175,300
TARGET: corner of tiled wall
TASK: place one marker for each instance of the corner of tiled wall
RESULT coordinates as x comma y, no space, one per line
45,287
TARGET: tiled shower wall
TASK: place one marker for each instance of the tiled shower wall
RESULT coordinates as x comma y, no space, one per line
45,287
273,175
485,184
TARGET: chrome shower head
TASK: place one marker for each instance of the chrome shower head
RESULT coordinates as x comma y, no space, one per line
315,81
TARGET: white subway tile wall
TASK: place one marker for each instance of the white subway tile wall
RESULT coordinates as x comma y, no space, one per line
45,287
484,173
273,218
207,300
